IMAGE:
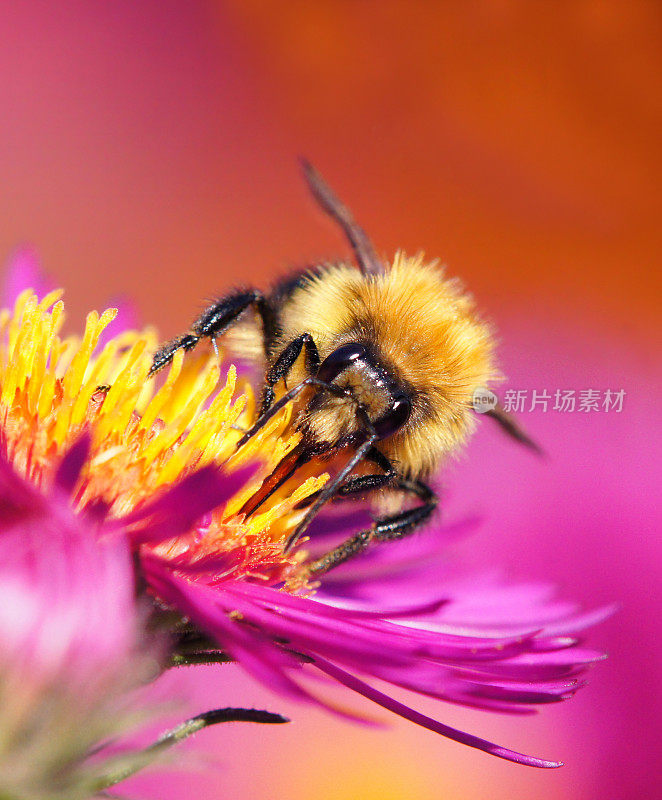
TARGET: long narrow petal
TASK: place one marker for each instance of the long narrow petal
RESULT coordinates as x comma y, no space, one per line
389,703
177,511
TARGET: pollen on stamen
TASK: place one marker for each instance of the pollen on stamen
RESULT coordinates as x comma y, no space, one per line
144,436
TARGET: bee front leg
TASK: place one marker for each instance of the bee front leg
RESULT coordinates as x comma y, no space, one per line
284,363
214,321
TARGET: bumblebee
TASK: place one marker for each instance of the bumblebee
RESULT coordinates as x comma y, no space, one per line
382,359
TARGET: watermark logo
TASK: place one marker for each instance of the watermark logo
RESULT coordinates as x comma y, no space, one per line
483,400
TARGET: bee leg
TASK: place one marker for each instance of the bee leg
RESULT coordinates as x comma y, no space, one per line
284,470
165,353
361,484
287,398
214,321
402,524
329,491
386,529
284,364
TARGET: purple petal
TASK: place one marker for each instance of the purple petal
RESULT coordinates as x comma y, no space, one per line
19,500
313,628
579,622
541,666
71,465
389,703
177,511
405,611
73,610
523,693
257,654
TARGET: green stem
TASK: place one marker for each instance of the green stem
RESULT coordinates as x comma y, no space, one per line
191,659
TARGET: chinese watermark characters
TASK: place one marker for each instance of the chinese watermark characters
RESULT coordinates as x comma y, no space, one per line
564,401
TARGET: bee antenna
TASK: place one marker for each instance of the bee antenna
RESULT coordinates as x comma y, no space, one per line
368,261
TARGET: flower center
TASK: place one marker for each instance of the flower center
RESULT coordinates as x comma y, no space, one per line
145,436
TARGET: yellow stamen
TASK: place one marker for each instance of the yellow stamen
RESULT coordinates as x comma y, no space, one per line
144,437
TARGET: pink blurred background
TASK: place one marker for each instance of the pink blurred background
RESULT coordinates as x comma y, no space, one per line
149,149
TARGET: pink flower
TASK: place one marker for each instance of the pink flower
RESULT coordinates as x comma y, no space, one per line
73,650
223,582
398,616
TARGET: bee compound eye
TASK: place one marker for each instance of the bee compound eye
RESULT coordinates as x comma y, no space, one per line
394,418
340,359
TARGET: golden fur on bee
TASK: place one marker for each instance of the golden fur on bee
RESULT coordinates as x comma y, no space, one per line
425,330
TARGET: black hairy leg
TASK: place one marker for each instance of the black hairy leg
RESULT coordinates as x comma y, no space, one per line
364,442
305,451
284,363
287,398
300,455
329,491
215,320
362,484
384,529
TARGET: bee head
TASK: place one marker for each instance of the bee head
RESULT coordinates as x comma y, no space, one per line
356,396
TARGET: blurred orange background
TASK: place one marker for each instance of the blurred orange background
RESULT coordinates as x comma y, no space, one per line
149,149
152,145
